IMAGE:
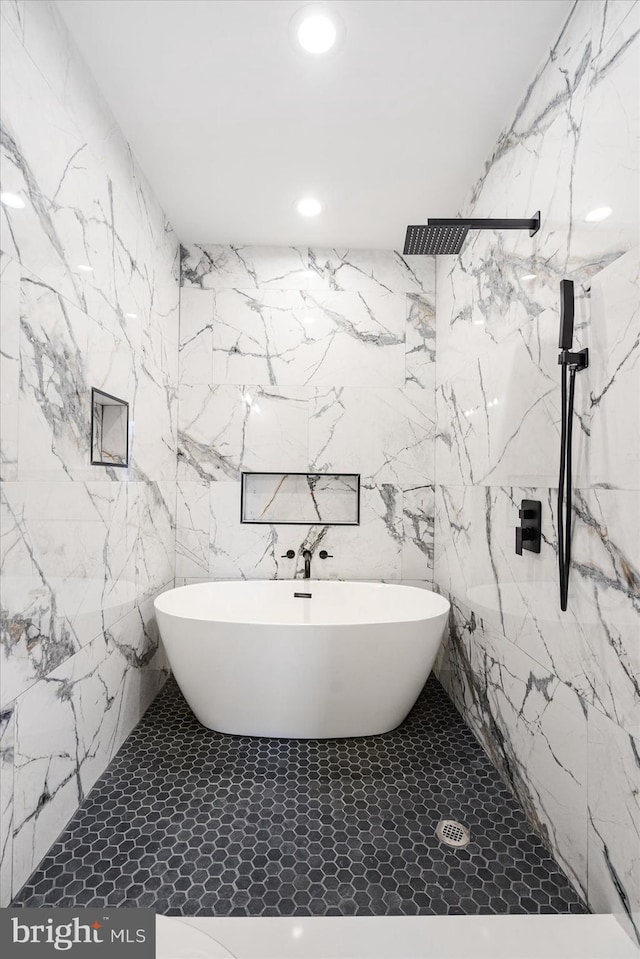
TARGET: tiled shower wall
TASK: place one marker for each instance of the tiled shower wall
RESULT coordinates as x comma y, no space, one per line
303,359
90,298
553,696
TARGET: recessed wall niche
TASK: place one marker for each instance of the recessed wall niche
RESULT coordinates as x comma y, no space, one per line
332,499
109,430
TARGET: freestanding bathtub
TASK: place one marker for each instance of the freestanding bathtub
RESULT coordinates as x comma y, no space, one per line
302,659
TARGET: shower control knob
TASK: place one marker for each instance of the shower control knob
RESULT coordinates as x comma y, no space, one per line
290,554
526,535
324,555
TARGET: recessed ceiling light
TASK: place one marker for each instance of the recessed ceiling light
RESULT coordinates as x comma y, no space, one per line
13,200
600,213
131,316
529,276
309,206
317,33
85,268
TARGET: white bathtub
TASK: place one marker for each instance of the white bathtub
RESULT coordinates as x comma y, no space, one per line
253,659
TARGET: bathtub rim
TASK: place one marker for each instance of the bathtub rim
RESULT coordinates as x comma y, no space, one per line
444,611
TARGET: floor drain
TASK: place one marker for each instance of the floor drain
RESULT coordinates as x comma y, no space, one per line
452,833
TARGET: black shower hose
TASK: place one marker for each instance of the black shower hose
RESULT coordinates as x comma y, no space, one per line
565,483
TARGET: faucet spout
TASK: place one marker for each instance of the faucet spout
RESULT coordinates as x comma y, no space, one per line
306,555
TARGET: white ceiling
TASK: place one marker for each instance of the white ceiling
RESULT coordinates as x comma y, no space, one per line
232,124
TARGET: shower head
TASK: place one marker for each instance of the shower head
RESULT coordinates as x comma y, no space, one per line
434,240
566,315
444,237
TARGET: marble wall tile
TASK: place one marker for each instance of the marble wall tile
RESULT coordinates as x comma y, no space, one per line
372,550
366,270
612,413
69,725
593,647
192,529
613,821
81,545
571,147
395,430
418,511
196,336
9,366
332,372
68,568
7,737
533,727
226,429
212,267
290,338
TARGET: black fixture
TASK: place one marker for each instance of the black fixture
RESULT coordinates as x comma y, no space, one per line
288,555
571,364
303,595
306,555
528,532
443,237
324,555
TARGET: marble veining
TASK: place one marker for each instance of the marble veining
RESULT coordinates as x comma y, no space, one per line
306,361
554,697
89,270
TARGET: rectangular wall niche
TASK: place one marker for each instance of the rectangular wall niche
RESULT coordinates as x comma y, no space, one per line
332,499
109,430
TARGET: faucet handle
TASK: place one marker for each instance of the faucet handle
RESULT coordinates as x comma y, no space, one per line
324,555
288,555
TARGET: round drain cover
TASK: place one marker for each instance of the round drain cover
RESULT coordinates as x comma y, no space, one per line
452,833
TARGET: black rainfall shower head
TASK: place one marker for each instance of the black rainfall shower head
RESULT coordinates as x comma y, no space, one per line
444,237
434,240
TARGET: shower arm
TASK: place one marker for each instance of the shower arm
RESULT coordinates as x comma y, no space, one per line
532,224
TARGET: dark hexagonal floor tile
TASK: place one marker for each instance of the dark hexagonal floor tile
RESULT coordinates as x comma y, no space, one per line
189,821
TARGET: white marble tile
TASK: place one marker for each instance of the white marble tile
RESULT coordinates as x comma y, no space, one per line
372,550
421,339
533,727
593,647
155,552
212,267
64,732
192,529
418,509
384,434
291,338
9,366
7,734
68,727
196,335
614,821
136,641
613,413
245,550
365,270
68,568
226,429
13,14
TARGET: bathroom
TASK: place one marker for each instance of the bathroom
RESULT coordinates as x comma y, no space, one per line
222,377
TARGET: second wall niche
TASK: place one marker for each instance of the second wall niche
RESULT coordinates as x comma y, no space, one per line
332,499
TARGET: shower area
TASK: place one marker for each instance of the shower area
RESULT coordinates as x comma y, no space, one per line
435,377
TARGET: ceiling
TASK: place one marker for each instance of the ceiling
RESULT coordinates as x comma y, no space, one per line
232,123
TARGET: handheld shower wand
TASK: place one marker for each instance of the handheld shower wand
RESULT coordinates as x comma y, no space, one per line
571,364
